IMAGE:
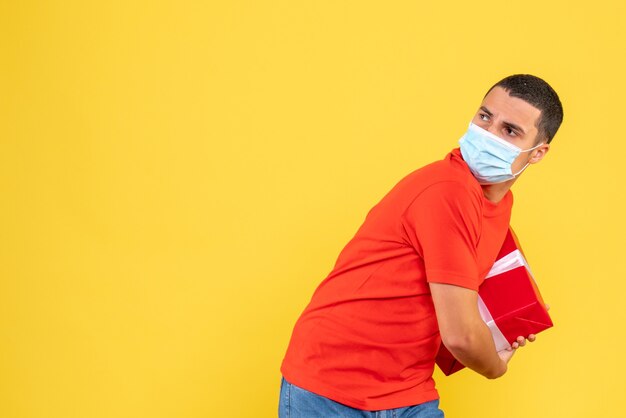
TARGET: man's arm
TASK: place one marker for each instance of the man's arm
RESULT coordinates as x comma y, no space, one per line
463,331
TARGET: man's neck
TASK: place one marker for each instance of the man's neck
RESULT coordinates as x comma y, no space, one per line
496,192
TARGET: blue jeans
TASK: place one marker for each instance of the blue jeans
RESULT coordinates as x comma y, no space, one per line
296,402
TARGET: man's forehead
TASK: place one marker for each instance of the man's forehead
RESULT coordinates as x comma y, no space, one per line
511,109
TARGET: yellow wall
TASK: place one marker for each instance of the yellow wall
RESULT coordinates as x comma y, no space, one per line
177,177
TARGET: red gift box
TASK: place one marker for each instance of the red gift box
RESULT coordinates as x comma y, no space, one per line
508,301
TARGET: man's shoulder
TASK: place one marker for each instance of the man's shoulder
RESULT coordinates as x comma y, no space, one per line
445,175
443,180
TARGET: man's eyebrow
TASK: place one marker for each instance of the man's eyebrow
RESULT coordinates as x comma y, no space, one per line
514,127
484,109
509,124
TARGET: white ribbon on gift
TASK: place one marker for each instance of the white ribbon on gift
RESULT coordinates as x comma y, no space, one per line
498,337
509,262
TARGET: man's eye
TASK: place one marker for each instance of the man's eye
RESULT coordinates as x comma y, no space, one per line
511,132
480,115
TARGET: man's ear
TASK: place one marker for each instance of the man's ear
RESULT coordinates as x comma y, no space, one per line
538,154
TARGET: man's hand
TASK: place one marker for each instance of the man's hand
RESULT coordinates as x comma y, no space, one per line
507,353
521,341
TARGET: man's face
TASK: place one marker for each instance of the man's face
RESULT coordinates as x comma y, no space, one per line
513,120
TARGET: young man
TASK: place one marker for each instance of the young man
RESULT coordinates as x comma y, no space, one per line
408,279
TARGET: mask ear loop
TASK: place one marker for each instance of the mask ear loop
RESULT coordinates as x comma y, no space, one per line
520,172
536,146
527,164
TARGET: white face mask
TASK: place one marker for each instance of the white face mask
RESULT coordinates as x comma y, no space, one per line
488,156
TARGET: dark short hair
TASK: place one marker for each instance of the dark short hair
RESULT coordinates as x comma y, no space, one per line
539,94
